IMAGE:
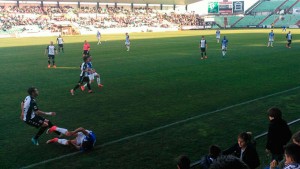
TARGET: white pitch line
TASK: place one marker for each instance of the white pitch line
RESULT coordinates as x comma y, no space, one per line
162,127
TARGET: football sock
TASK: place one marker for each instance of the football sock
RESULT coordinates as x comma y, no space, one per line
202,54
98,80
53,62
223,52
40,132
85,85
61,130
50,125
62,141
48,62
89,86
76,87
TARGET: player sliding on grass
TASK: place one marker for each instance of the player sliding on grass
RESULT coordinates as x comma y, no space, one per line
85,139
92,74
30,114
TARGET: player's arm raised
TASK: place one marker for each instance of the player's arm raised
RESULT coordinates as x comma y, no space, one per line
81,129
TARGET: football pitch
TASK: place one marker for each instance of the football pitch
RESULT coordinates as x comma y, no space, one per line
159,100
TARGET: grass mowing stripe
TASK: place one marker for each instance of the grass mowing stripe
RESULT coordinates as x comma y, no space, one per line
166,126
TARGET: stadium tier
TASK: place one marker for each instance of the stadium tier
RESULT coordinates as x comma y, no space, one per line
268,6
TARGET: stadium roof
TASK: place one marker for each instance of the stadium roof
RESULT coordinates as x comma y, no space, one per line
177,2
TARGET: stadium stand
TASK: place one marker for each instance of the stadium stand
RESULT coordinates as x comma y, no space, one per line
265,13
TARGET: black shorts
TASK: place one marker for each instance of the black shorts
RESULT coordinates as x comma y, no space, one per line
37,121
51,56
61,45
86,52
289,41
203,49
83,79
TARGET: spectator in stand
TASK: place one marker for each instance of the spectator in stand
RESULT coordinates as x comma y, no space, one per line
274,164
228,162
245,150
183,162
207,160
292,156
279,134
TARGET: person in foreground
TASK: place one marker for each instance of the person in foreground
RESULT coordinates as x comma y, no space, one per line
228,162
183,162
85,139
245,150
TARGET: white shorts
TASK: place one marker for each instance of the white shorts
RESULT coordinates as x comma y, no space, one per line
224,48
92,76
98,37
218,36
79,138
127,43
271,39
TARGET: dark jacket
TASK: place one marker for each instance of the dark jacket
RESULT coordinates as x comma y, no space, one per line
250,156
205,162
279,134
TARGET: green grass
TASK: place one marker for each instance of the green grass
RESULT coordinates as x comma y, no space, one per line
160,81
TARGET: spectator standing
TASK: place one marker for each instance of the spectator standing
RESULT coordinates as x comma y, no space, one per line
279,134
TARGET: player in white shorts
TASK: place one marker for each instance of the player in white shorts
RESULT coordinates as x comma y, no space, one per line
224,45
218,35
127,42
98,37
85,139
92,74
271,38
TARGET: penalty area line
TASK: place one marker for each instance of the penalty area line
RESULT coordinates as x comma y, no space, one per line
163,127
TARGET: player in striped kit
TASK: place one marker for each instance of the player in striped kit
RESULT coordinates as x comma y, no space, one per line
60,42
203,47
51,50
83,76
92,74
289,39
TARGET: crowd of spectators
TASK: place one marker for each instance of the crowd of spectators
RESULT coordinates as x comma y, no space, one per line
102,17
281,146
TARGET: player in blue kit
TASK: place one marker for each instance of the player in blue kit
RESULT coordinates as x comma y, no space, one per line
92,74
98,37
271,38
203,46
224,44
83,76
85,139
218,35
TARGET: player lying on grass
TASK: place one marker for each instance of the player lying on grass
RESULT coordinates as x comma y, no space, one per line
85,139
